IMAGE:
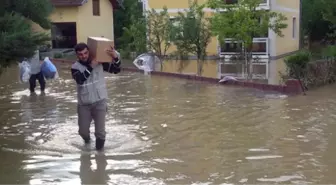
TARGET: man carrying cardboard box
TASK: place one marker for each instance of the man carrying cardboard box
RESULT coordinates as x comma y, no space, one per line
91,91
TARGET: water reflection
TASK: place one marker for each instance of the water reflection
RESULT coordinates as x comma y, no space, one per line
91,175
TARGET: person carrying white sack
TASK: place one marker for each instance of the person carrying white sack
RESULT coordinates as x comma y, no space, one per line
36,74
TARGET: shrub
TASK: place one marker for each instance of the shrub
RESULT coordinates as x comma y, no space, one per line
311,73
298,61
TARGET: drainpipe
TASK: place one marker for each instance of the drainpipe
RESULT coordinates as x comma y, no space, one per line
144,10
300,31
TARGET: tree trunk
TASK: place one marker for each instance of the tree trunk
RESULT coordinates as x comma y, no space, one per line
161,65
161,62
199,67
248,64
247,67
249,60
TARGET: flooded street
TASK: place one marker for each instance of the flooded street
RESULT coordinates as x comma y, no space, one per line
164,130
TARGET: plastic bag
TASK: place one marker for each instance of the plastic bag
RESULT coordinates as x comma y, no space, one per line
24,73
146,62
48,69
227,79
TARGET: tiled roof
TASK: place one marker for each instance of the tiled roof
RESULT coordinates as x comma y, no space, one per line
68,2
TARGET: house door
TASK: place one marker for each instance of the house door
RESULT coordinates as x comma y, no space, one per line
64,35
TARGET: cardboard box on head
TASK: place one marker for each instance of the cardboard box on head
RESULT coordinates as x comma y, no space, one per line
98,46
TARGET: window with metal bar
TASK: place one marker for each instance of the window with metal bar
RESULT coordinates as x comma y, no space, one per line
96,7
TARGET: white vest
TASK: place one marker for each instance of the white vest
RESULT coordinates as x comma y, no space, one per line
94,88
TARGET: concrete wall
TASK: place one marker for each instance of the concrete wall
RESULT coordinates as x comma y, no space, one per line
287,43
65,14
282,47
190,67
276,68
171,4
89,25
292,4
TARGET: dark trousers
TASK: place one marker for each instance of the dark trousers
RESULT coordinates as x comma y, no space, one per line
87,113
32,82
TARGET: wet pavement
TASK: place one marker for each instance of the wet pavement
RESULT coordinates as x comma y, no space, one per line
167,131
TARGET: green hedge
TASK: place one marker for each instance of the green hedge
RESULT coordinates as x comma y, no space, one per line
312,73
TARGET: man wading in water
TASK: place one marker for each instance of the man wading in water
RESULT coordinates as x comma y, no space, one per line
91,91
36,74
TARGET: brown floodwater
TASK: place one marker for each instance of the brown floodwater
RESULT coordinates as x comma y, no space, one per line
167,131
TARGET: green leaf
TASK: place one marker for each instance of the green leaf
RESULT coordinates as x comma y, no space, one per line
159,29
242,21
191,34
17,40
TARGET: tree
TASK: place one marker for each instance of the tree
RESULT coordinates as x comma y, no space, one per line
317,19
159,29
242,22
134,36
130,28
329,15
17,40
191,33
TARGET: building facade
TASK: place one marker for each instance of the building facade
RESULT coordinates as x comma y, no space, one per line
75,20
270,49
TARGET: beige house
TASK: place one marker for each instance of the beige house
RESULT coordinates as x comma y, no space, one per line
270,48
75,20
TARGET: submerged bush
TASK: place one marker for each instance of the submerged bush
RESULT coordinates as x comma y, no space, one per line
298,61
311,73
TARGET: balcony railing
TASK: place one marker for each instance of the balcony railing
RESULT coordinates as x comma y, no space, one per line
260,48
236,1
238,70
263,4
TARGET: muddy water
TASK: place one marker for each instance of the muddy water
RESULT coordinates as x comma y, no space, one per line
167,131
